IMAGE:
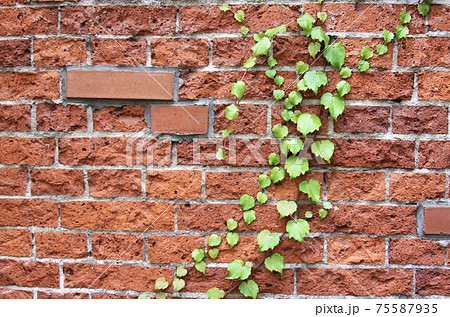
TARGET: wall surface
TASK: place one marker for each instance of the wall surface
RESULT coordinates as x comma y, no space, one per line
82,214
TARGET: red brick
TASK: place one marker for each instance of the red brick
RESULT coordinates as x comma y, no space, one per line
11,2
29,273
231,185
119,52
173,249
13,181
120,119
356,185
111,296
114,246
61,245
27,151
15,53
114,183
438,19
415,251
59,118
426,119
117,215
433,85
433,282
28,213
355,250
28,21
54,52
29,85
416,186
55,295
174,184
426,51
358,282
233,51
15,118
288,188
246,123
434,154
437,220
179,52
57,182
189,120
15,242
15,294
116,20
363,119
115,277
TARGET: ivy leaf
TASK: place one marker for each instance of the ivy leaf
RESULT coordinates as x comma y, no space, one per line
323,213
232,239
267,240
381,49
345,72
308,123
161,284
231,112
239,270
280,131
366,53
306,21
312,189
178,285
249,289
335,55
215,293
278,94
301,85
198,255
286,208
318,34
279,80
313,49
249,216
264,181
327,205
213,253
226,132
297,114
308,215
144,296
405,17
274,159
250,62
363,66
276,175
262,47
294,146
343,88
287,115
244,30
301,67
388,36
275,263
297,229
214,240
262,198
322,16
246,202
323,149
295,98
201,267
314,79
161,295
401,32
271,62
240,16
296,166
259,36
238,89
181,271
225,7
274,31
271,73
423,9
220,155
231,224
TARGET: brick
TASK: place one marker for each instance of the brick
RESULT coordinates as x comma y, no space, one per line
434,154
57,182
65,295
27,151
233,51
426,51
174,184
13,181
29,85
55,52
231,185
246,123
29,273
179,52
416,186
114,183
28,213
112,246
60,118
117,20
119,84
433,85
356,185
115,277
357,282
111,296
11,2
438,19
189,120
119,52
117,215
363,119
15,53
15,118
173,249
433,282
415,251
61,245
120,119
28,21
288,50
292,127
114,151
426,119
436,220
355,250
15,242
288,188
15,294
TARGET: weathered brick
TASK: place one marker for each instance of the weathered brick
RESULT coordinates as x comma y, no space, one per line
114,183
15,294
433,282
28,213
27,151
61,245
363,119
416,186
179,52
424,51
62,295
111,296
58,51
29,85
15,53
28,21
233,51
29,273
189,120
355,250
438,19
120,119
112,246
174,184
13,181
288,188
434,154
231,185
356,185
15,118
177,249
119,52
433,85
427,119
415,251
59,118
57,182
15,242
246,123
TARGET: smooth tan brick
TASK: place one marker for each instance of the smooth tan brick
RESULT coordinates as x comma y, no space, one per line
437,220
180,119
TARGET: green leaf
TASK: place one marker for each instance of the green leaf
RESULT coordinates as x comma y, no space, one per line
249,216
306,21
250,62
276,175
279,81
301,85
278,94
343,88
240,16
144,296
226,132
262,198
280,131
345,72
271,73
274,159
308,123
287,115
423,9
220,155
232,239
314,79
381,49
297,229
225,7
231,224
293,145
318,34
295,98
215,293
327,205
198,255
366,52
214,240
274,31
405,17
297,114
301,67
181,271
201,267
401,32
275,263
259,36
238,89
296,166
244,30
178,285
246,202
322,16
335,55
213,253
271,62
363,66
161,284
267,240
313,49
308,215
287,104
231,112
239,270
286,208
323,149
249,289
388,36
312,189
264,181
262,47
161,295
323,213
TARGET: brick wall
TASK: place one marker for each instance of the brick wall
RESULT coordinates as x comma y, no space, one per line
76,192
